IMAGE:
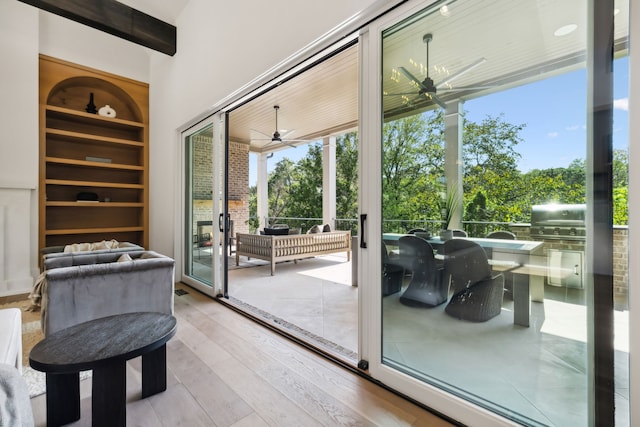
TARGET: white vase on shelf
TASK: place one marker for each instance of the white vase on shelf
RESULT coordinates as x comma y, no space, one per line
107,111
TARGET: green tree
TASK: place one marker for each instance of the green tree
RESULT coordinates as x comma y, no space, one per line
413,162
347,176
491,168
620,187
305,195
621,205
280,182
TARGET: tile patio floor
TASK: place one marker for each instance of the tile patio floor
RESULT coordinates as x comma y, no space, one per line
537,372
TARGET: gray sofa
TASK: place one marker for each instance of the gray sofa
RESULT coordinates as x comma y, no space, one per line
59,251
86,286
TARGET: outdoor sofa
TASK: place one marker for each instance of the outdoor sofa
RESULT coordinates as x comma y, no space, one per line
277,248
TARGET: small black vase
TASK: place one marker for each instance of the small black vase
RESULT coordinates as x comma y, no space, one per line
91,107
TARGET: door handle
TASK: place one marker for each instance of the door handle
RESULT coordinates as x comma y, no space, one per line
220,222
363,243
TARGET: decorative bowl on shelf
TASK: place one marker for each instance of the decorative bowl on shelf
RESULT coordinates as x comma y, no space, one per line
107,111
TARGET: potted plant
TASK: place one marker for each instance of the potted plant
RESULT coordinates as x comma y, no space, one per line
448,209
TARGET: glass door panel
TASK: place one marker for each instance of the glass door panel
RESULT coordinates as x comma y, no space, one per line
486,126
200,247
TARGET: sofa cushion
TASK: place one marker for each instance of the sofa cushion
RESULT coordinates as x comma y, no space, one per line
125,257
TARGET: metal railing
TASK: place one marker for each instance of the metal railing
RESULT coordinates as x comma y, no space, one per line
473,228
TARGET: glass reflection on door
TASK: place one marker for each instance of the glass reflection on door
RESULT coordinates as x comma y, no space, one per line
199,222
484,113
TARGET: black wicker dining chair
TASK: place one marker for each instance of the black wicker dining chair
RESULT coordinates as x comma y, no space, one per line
508,276
477,295
392,274
427,287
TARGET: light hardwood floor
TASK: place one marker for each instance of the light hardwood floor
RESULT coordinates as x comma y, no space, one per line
226,370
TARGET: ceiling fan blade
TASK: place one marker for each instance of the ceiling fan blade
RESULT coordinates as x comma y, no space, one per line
463,88
461,72
437,100
286,133
262,133
411,77
400,94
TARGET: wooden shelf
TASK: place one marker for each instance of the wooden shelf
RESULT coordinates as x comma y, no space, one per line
82,152
93,184
86,163
93,230
79,136
81,116
96,204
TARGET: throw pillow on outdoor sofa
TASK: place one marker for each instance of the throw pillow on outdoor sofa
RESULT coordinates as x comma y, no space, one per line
315,229
280,231
326,228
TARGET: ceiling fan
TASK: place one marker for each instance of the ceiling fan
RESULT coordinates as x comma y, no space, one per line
277,137
427,88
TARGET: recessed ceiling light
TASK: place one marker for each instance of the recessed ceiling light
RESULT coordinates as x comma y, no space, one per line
444,10
564,30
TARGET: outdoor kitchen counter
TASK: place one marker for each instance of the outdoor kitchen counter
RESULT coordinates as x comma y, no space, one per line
525,258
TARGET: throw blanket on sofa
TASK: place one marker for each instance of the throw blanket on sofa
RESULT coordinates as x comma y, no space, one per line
15,406
83,247
36,292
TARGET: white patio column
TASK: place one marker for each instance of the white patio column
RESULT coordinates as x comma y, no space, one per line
453,165
262,189
329,181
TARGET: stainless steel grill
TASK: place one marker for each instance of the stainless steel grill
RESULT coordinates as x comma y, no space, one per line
558,222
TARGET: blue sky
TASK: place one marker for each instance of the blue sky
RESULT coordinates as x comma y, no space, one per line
553,110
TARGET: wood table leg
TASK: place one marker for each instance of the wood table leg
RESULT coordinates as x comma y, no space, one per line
63,398
521,299
109,395
154,372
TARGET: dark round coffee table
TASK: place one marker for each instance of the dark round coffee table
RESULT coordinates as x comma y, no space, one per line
102,345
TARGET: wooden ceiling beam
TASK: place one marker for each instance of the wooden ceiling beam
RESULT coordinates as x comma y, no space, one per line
117,19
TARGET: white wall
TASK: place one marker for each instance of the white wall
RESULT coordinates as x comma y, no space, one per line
221,47
19,104
65,39
18,144
24,33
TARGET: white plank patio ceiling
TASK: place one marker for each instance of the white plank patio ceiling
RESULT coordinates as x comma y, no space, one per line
323,101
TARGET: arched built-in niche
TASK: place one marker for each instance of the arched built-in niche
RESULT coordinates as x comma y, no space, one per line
94,176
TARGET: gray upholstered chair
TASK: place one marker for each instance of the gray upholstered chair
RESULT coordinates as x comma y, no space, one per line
83,287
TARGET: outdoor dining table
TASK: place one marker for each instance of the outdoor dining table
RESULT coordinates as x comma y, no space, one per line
523,258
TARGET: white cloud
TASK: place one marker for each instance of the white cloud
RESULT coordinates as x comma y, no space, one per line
553,134
621,104
572,128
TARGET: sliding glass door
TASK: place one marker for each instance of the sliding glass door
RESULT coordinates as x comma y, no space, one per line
490,120
202,244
